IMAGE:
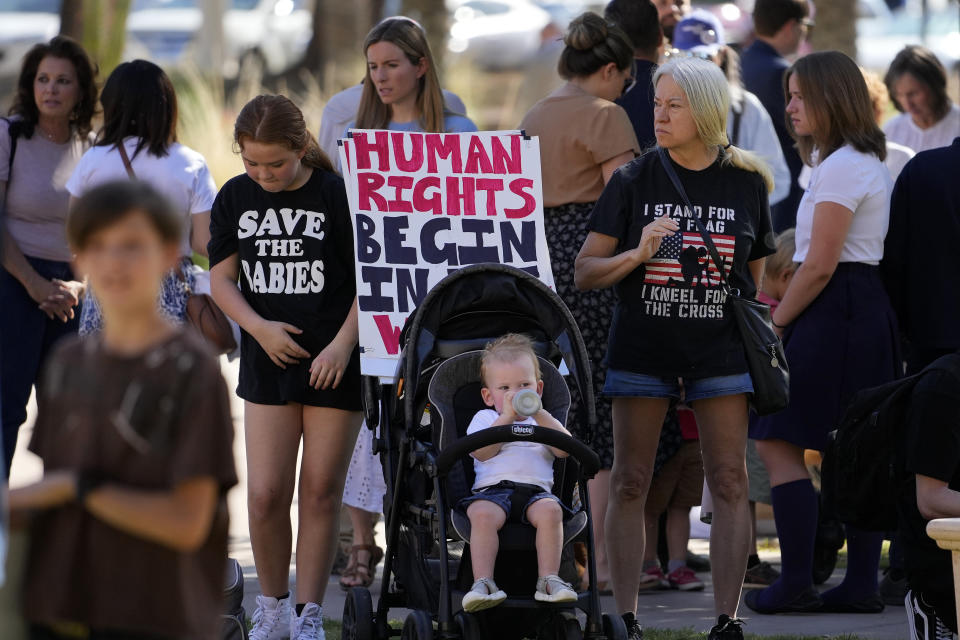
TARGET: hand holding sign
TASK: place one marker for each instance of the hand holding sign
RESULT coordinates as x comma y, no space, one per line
426,204
274,338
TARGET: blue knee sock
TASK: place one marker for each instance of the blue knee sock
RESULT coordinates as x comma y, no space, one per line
795,508
863,562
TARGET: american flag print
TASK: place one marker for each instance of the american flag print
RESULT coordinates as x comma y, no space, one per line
683,260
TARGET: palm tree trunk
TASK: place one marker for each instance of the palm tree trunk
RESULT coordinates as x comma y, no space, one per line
836,26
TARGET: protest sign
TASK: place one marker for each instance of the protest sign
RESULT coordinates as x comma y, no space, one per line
426,204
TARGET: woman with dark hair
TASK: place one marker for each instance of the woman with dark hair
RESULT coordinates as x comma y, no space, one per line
139,139
838,326
597,63
283,230
918,85
39,146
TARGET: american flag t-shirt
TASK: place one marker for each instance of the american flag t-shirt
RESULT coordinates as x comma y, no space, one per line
683,260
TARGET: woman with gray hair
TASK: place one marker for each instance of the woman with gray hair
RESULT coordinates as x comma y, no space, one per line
673,337
917,83
701,35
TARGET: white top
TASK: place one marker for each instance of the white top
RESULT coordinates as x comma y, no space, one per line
182,176
757,134
898,156
341,110
901,129
524,462
859,182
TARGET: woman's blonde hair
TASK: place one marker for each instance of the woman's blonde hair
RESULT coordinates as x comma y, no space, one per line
782,259
709,98
879,96
410,37
837,106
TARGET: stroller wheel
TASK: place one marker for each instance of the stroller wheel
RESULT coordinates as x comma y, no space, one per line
614,627
469,626
418,626
569,629
358,615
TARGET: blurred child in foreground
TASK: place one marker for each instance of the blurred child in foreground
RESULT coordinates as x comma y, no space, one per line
129,523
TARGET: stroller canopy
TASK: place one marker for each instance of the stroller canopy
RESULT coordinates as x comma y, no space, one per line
480,302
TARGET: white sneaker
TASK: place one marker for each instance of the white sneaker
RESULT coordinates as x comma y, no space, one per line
482,595
308,625
271,619
553,589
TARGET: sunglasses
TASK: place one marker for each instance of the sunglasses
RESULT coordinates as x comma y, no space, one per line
682,53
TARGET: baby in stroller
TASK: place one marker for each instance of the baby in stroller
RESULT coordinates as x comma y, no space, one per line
513,477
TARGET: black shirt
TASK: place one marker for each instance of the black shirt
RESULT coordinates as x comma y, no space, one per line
671,318
933,450
919,265
762,70
296,266
638,102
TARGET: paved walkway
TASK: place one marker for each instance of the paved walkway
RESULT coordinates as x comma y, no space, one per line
663,609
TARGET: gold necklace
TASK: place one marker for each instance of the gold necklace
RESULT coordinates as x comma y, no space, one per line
49,136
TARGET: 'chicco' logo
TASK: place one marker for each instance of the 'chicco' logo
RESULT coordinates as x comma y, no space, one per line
522,430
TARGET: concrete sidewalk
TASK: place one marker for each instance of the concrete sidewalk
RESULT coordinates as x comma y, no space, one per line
661,609
665,609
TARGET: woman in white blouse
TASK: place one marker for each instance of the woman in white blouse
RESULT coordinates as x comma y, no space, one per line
839,329
918,84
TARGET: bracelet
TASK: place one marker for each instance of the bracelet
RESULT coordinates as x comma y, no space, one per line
87,481
778,326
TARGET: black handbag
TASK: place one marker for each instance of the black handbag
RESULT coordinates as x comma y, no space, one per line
761,345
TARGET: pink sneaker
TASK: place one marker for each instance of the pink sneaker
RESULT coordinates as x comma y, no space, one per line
684,579
653,579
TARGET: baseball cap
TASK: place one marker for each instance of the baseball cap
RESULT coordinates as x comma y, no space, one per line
700,33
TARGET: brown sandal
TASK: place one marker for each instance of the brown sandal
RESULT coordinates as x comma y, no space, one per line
358,574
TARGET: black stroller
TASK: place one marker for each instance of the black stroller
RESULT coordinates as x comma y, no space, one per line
423,418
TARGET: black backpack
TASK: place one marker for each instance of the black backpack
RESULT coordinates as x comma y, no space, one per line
864,464
233,620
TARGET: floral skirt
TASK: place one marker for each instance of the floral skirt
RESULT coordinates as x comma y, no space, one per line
566,229
172,301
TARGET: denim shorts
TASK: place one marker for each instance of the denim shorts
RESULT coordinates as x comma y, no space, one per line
499,494
637,385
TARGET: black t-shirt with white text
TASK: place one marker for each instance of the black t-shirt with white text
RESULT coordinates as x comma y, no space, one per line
296,266
671,318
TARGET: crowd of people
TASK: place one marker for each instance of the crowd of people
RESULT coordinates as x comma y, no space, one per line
838,220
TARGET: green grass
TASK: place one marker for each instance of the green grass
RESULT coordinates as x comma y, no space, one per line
333,628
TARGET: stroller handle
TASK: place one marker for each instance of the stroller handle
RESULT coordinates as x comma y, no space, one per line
588,459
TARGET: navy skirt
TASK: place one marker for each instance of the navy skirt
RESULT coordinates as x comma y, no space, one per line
845,341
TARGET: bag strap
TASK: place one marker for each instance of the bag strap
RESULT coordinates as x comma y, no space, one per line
707,240
14,128
737,117
126,160
181,276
